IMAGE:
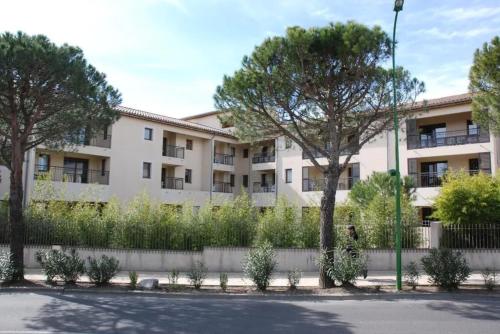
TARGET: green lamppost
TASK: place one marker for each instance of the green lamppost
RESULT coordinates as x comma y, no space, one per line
398,6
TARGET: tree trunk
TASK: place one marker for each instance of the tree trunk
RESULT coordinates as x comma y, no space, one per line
16,211
326,225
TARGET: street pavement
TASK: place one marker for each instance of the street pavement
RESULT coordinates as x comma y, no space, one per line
54,312
308,279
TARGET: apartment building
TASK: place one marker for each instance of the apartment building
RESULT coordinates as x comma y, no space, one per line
197,159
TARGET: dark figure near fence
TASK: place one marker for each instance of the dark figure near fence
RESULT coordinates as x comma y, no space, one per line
351,249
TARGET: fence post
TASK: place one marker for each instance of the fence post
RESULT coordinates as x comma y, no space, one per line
435,234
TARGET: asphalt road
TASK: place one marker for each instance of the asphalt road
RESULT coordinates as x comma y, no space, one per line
94,313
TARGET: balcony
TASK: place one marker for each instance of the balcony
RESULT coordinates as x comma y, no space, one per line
318,155
78,175
173,151
319,184
448,138
99,140
223,159
263,158
435,179
263,188
222,187
176,183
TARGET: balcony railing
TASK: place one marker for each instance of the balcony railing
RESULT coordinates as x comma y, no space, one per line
74,175
173,183
317,154
448,138
263,188
224,159
173,151
99,140
222,187
435,179
262,158
319,184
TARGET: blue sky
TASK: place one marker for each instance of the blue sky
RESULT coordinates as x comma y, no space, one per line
168,56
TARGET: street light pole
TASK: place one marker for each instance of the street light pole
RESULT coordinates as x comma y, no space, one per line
398,6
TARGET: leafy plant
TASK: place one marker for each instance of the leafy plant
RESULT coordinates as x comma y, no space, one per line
294,277
173,276
489,277
58,264
197,274
102,270
279,225
6,266
259,265
223,281
343,267
446,268
133,277
411,274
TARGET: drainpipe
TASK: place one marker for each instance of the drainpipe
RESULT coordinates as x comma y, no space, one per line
276,178
211,168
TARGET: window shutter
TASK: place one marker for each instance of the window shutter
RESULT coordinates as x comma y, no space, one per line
413,170
485,162
411,133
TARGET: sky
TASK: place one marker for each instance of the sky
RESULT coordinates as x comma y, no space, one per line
168,56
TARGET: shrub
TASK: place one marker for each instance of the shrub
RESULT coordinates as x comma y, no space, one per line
173,276
489,277
223,281
101,271
446,268
411,274
133,277
279,225
6,266
59,264
468,199
294,278
197,274
344,268
259,265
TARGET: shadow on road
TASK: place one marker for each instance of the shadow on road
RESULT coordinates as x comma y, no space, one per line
152,314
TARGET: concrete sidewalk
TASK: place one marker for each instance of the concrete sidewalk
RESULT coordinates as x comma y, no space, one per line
309,279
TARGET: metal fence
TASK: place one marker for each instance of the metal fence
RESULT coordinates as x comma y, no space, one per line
472,236
70,174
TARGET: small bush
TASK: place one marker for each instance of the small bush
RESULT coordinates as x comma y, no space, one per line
223,281
489,277
197,274
59,264
102,270
294,278
260,264
344,268
411,275
173,276
133,277
446,268
6,266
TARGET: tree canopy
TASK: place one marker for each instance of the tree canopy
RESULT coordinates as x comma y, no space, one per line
484,78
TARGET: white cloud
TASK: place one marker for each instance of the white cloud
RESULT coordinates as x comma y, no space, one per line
325,14
468,13
439,33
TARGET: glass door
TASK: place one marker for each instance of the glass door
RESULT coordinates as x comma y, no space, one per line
76,170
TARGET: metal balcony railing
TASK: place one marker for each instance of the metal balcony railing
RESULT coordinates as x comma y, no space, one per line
99,140
448,138
224,159
222,187
317,154
263,188
74,175
262,158
173,151
173,183
435,179
318,184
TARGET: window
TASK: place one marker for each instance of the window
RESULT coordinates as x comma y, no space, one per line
146,170
288,175
233,151
245,181
105,132
472,129
189,144
231,180
245,153
103,167
188,175
148,134
43,162
473,166
288,143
